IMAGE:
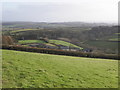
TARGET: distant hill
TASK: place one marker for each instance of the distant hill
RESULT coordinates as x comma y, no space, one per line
54,24
98,36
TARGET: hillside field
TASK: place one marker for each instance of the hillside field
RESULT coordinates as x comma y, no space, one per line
30,41
64,43
50,43
21,30
104,44
36,70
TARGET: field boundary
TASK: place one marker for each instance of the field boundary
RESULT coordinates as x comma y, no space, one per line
61,52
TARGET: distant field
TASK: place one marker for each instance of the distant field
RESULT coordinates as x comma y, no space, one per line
30,41
14,31
35,70
7,26
114,35
114,39
103,44
117,33
50,44
60,42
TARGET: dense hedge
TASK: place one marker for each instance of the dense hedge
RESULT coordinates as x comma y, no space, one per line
60,52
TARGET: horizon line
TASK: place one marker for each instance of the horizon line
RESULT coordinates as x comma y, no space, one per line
62,22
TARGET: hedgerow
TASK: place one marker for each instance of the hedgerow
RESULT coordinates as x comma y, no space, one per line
60,52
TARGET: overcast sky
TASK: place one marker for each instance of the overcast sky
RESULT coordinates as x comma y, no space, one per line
60,10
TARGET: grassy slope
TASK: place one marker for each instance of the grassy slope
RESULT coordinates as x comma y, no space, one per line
60,42
30,41
25,69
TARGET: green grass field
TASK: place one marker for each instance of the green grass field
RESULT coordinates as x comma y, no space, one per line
30,41
21,30
103,44
36,70
117,33
50,44
114,39
60,42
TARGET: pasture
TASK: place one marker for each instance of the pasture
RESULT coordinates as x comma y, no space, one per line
103,44
64,43
30,41
36,70
21,30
